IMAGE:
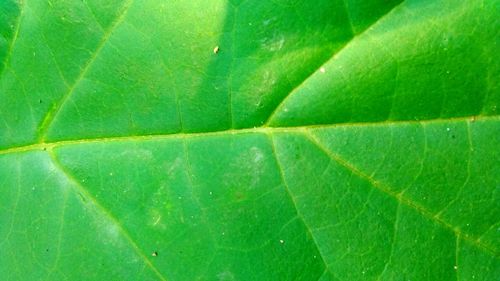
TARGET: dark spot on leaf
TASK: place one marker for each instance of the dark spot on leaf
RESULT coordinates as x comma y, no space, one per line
239,196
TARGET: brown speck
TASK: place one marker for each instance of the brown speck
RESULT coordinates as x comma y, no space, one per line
239,196
216,50
154,254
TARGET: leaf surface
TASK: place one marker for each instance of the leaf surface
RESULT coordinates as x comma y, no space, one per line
249,140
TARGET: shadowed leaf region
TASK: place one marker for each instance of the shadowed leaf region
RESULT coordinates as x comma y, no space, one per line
249,140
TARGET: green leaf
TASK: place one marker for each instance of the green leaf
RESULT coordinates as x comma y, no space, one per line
249,140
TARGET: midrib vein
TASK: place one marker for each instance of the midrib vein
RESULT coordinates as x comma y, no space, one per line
44,145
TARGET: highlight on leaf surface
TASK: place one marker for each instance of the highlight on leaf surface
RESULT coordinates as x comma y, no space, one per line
249,140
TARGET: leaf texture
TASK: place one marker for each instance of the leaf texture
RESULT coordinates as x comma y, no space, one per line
325,140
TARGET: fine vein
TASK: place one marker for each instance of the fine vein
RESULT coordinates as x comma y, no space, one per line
334,55
398,197
287,189
14,38
77,187
52,114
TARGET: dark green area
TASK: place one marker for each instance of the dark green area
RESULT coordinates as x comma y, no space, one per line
325,140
